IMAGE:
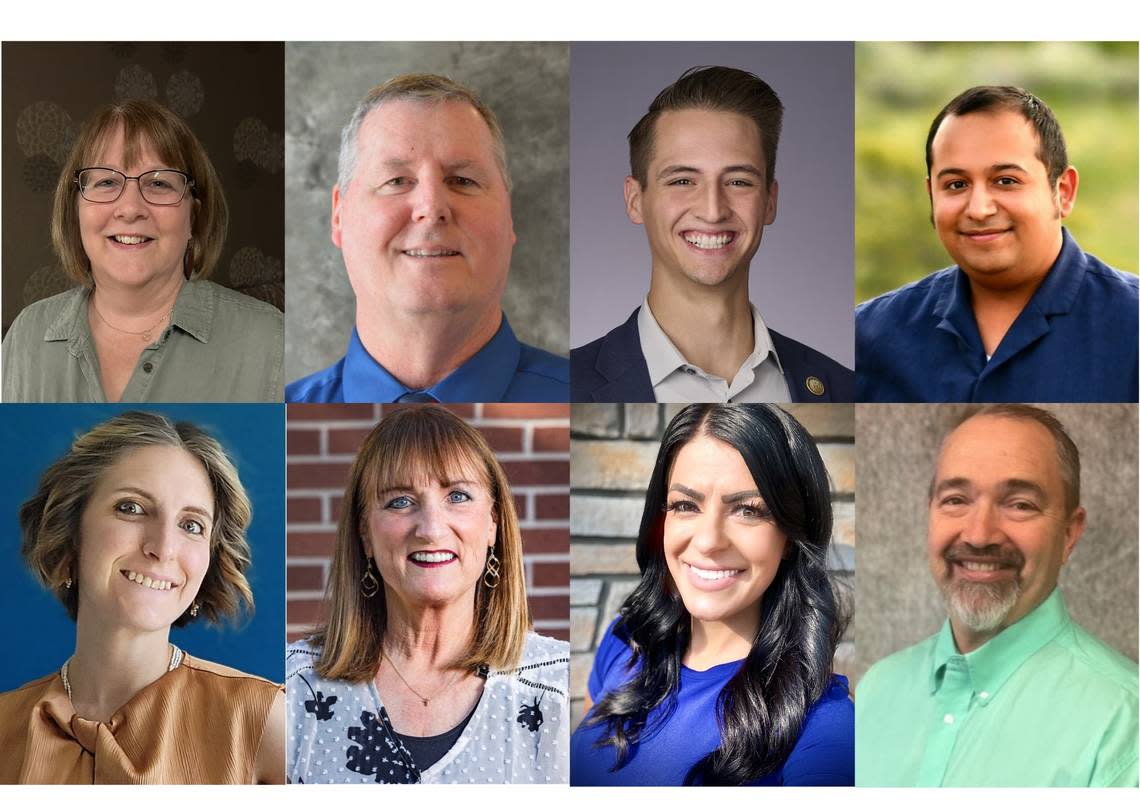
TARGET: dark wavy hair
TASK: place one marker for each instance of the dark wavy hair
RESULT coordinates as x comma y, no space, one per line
761,709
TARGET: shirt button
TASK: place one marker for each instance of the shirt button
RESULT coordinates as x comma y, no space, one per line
690,370
148,367
948,719
985,695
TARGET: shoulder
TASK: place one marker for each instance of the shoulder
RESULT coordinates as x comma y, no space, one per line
544,665
242,310
909,664
1097,667
24,697
616,355
906,302
824,754
34,320
300,656
322,386
1118,285
546,376
228,678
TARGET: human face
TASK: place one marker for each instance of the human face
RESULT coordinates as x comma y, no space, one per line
998,529
992,204
164,229
706,199
430,539
721,544
150,517
425,222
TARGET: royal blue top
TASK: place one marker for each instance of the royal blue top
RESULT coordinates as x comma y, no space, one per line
824,754
504,369
1075,340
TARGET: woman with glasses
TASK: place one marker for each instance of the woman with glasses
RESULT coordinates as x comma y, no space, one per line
138,222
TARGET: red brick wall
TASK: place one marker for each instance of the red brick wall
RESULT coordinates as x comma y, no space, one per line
532,441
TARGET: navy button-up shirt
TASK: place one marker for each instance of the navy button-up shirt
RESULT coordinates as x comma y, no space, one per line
1075,340
504,369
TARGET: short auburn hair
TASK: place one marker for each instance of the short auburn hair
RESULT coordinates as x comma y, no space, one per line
144,123
50,519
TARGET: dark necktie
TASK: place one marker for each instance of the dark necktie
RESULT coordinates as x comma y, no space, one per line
416,397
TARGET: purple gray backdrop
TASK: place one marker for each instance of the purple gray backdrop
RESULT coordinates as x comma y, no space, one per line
801,278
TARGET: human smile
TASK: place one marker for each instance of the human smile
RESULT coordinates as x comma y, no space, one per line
983,235
711,579
708,241
148,582
130,240
432,559
430,252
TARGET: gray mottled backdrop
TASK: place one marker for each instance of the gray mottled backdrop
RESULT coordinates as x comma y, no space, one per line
526,84
613,448
898,600
801,279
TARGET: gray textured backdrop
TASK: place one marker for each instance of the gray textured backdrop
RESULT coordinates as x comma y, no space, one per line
898,601
801,279
526,84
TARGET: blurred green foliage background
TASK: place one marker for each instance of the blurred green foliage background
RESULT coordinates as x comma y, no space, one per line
899,88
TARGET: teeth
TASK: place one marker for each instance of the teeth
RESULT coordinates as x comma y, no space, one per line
969,566
147,582
129,239
707,241
432,556
430,253
713,575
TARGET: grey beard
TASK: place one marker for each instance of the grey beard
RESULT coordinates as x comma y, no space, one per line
981,606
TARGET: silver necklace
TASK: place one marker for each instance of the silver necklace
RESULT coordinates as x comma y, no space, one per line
175,662
147,334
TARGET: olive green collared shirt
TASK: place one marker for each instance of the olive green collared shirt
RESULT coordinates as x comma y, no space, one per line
1042,703
220,346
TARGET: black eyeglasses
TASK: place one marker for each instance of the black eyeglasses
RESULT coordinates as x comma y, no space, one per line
103,185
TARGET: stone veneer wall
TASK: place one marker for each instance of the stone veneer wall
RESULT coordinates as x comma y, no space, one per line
612,450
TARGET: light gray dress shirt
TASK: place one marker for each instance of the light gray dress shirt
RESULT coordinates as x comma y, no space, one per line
220,346
760,378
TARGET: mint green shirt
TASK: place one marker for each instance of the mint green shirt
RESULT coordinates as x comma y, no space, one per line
1042,703
220,346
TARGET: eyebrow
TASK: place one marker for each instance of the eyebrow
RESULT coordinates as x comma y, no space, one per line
672,170
995,168
400,163
1005,488
732,498
408,488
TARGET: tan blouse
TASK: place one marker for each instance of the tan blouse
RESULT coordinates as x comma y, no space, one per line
200,723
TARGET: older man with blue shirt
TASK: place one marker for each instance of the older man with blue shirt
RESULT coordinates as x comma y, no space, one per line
422,215
1025,315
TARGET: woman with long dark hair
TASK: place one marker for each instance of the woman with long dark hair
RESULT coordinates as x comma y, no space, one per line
718,667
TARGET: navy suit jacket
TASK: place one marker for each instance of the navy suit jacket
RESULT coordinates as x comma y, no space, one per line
613,370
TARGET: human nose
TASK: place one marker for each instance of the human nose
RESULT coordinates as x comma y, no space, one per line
713,206
980,204
161,540
430,203
709,535
431,522
131,204
982,526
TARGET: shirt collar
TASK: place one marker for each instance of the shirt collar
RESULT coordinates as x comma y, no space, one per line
193,313
484,376
663,358
992,664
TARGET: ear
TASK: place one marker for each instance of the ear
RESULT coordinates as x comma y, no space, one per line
1073,532
493,532
930,198
337,201
1066,191
773,194
633,200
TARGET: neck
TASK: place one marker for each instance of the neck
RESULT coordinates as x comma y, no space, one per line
421,350
711,326
132,307
428,637
715,642
111,666
967,640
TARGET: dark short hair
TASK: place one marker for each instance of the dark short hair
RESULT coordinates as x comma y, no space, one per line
1050,141
145,123
721,89
1068,456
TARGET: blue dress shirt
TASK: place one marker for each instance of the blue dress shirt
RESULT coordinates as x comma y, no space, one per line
504,369
673,741
1075,341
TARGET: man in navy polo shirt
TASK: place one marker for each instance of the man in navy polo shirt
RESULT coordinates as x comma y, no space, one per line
422,215
1025,315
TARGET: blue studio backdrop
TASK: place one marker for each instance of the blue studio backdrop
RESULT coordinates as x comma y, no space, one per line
40,636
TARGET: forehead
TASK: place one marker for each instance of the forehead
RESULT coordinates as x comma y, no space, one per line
705,138
115,149
410,469
412,130
991,449
161,468
982,139
707,461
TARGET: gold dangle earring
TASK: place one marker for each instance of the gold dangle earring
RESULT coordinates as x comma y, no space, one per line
369,584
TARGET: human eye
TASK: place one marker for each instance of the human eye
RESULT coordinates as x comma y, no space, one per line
740,183
457,497
1022,506
681,181
755,510
682,506
952,501
194,526
129,507
955,184
399,502
463,182
1007,181
160,182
